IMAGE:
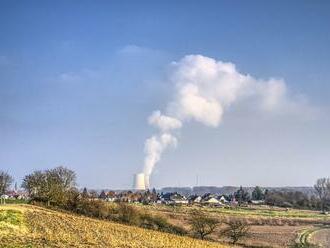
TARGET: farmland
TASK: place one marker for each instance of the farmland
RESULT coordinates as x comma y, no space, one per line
270,227
31,226
320,237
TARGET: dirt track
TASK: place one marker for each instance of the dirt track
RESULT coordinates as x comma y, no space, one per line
321,237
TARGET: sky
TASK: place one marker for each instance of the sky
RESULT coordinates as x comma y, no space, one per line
79,80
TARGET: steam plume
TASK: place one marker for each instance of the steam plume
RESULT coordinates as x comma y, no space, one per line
204,89
154,148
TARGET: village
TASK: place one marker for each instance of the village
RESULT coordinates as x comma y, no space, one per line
147,197
170,198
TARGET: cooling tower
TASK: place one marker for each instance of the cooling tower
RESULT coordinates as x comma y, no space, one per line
139,181
146,181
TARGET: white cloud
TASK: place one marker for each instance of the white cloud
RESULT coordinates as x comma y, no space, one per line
69,77
273,93
206,87
191,104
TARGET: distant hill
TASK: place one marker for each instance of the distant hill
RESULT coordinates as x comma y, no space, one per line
226,190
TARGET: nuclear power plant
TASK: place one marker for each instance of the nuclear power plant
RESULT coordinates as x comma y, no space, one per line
146,181
141,181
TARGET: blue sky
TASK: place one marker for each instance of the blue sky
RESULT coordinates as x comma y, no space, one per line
78,80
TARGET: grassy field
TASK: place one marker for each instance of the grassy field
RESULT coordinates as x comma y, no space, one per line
269,227
257,211
261,215
31,226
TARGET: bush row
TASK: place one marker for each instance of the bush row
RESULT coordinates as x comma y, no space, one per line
119,212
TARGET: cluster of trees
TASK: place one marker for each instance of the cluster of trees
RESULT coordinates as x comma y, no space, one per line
319,201
5,182
296,199
291,199
56,188
322,188
203,225
258,194
53,186
243,196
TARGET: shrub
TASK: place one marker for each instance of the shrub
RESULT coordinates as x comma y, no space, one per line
201,224
159,223
236,230
128,214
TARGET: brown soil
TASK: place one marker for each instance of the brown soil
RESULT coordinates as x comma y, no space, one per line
321,238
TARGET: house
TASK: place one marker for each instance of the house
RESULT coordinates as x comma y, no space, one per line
233,201
12,194
210,199
173,198
223,199
111,196
257,202
22,195
4,196
194,199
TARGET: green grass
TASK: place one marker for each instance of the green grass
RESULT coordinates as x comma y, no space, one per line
247,212
11,221
269,213
11,217
303,238
16,201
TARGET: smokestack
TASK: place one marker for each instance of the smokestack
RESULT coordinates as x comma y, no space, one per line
139,182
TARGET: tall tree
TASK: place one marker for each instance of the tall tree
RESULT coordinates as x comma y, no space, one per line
51,186
35,184
258,194
85,193
241,195
5,182
322,188
103,195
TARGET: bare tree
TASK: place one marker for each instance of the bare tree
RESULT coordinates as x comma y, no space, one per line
236,230
202,224
322,188
5,181
50,185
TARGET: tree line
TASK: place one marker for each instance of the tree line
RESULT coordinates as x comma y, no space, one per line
56,186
